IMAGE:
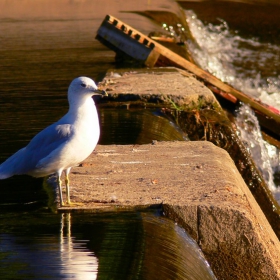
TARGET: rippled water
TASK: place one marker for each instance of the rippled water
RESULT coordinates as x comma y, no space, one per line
132,245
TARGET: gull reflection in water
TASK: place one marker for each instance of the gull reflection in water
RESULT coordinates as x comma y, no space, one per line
77,261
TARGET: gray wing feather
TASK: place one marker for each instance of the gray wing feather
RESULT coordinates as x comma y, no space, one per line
43,144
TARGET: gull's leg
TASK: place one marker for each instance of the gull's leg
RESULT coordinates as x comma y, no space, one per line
59,187
67,182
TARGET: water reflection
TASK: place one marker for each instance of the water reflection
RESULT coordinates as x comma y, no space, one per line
40,252
131,245
137,126
76,260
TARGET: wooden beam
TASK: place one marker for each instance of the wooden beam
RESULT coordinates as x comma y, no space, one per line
119,35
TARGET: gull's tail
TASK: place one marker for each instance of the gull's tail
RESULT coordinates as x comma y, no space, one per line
12,166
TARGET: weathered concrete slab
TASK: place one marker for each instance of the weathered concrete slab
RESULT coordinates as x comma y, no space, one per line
156,86
197,185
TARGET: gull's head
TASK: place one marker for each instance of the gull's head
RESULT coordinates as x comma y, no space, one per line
82,87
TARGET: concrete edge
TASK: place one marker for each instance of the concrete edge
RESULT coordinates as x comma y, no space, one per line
250,253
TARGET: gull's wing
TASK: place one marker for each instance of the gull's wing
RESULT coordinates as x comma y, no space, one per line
44,143
48,140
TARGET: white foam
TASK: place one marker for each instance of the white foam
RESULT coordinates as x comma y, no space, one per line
236,60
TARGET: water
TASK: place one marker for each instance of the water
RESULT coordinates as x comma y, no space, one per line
237,60
137,126
250,132
131,245
251,65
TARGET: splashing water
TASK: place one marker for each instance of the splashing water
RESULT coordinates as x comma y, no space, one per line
239,61
265,155
236,60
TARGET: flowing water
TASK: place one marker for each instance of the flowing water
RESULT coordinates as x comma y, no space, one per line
251,64
237,60
133,245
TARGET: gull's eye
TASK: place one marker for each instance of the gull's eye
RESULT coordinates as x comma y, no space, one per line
83,85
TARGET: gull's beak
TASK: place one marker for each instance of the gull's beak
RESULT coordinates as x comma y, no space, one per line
101,92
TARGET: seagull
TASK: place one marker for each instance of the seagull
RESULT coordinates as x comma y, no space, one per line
64,144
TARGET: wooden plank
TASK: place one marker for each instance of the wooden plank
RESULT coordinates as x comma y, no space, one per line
214,81
119,37
156,54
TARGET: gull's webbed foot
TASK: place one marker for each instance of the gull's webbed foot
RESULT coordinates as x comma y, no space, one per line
73,204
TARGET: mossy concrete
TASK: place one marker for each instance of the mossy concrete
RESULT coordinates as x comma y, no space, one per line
155,87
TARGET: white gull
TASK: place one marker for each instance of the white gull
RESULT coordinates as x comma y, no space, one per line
63,144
